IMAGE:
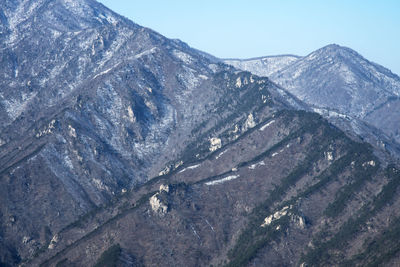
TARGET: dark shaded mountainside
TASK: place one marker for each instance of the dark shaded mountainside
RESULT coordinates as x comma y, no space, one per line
121,147
292,190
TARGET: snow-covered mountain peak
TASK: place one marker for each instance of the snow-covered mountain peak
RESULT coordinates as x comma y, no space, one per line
60,15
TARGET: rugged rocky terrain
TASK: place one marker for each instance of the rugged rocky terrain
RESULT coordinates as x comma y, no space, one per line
121,147
292,190
93,105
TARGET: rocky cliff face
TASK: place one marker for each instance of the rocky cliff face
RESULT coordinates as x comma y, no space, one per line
115,140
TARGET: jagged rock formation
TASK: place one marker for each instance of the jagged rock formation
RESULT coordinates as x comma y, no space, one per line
156,202
285,211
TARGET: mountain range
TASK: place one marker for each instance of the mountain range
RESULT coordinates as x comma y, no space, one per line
336,81
121,147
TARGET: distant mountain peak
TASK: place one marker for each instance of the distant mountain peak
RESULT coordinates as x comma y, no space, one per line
332,46
335,51
337,78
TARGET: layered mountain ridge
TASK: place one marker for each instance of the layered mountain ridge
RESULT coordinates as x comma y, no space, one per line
116,140
339,81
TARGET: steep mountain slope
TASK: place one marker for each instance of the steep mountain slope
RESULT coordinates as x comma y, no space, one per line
337,80
292,190
263,66
93,105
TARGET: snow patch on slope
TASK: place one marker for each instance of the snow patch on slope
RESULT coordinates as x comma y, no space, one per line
186,58
15,107
190,168
261,163
266,125
147,52
223,180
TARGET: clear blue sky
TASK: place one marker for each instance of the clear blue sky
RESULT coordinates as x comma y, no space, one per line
252,28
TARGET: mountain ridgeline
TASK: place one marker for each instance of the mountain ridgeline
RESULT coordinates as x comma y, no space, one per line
338,83
120,147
